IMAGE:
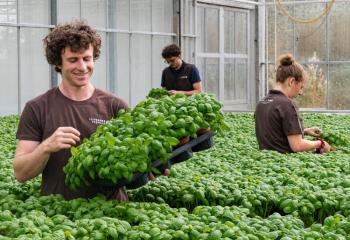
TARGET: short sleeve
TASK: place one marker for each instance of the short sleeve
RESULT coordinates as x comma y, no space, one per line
119,104
29,125
163,80
291,121
195,75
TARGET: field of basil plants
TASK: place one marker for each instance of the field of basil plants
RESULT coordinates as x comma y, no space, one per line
230,191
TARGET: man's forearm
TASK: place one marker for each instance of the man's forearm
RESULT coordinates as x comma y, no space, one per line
190,93
307,145
298,144
32,156
29,165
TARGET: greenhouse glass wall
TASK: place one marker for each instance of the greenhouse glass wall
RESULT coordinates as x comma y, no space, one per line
234,43
317,34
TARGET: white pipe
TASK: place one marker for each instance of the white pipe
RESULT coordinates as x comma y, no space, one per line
224,2
250,2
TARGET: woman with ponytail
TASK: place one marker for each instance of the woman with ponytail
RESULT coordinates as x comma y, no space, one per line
277,122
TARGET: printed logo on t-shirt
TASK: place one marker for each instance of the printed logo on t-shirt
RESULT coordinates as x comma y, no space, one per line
267,100
183,77
97,121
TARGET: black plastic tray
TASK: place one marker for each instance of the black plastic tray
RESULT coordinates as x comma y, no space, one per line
180,154
138,180
185,151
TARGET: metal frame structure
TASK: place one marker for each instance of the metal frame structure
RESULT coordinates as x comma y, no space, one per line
246,7
305,1
328,62
19,26
53,10
260,57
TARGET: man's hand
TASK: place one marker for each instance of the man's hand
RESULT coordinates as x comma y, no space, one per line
327,147
166,172
313,131
173,92
152,177
62,138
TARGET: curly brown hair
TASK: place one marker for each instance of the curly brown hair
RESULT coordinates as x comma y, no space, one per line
76,35
171,50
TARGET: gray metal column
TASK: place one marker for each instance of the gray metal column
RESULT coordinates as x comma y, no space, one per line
261,60
53,21
177,22
18,61
111,48
328,60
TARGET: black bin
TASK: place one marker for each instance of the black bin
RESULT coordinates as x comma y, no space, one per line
181,157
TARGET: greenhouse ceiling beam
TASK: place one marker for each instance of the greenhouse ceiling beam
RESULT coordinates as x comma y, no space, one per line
30,25
108,30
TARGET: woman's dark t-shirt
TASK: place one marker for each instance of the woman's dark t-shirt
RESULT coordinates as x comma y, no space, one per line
276,117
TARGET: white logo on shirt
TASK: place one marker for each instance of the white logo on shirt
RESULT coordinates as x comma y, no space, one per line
267,100
97,121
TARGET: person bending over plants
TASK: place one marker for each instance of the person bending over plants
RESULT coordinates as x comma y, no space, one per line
277,122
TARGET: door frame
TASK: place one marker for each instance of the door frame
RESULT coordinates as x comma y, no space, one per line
249,102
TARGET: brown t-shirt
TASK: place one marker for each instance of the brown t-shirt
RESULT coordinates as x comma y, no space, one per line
276,117
45,113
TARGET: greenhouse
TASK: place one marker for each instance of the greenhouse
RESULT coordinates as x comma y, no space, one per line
175,119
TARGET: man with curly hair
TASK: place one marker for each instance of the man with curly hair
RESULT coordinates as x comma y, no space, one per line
179,77
53,122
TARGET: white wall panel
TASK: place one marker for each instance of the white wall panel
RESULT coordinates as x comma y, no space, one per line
99,78
141,15
8,11
158,64
8,71
122,69
34,70
33,11
94,11
140,67
162,16
68,10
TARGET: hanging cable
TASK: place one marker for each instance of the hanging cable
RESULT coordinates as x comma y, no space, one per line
304,21
301,37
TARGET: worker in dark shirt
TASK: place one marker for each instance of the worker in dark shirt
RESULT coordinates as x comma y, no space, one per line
179,77
277,122
61,118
